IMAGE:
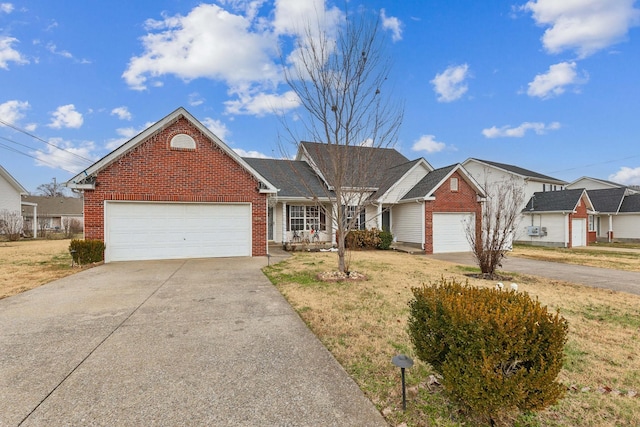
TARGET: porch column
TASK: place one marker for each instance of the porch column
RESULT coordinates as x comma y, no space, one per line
379,217
35,221
284,222
610,232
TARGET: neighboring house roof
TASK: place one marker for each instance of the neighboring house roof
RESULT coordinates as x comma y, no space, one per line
603,182
631,204
292,178
607,200
556,201
433,180
526,173
86,178
56,206
12,181
364,167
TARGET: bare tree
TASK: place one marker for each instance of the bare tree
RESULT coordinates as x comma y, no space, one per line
501,215
71,227
339,78
11,224
52,189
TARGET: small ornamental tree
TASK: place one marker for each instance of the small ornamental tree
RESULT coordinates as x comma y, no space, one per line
501,215
499,352
11,224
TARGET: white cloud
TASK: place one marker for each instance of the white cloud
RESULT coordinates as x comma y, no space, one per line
195,99
122,113
208,42
218,128
585,26
6,8
429,144
66,158
450,84
519,131
626,176
262,103
66,116
392,24
293,17
12,111
9,54
554,81
255,154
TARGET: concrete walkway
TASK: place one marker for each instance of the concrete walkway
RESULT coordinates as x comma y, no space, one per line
185,342
616,280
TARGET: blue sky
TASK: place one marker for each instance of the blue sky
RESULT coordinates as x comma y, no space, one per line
546,85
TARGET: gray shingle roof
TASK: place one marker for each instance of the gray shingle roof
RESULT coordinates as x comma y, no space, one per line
606,200
522,171
56,206
631,204
428,183
553,201
292,177
392,175
364,166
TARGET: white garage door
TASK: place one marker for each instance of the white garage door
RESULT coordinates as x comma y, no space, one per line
146,231
449,232
578,232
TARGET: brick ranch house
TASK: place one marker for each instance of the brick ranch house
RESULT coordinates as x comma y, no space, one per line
177,191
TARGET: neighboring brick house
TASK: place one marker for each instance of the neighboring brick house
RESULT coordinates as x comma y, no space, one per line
558,218
175,191
617,210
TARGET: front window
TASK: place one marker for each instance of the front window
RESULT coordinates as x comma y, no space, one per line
592,223
306,218
355,217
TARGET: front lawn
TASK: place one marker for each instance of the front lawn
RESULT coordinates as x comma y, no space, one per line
363,323
604,255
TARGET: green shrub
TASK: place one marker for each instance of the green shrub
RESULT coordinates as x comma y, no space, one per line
499,352
86,251
386,239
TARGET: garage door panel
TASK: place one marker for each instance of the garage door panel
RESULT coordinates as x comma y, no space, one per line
449,232
145,231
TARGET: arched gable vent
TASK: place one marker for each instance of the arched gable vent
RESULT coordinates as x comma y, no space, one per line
183,141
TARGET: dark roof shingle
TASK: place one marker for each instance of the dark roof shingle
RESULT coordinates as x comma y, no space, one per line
554,201
606,200
292,177
428,183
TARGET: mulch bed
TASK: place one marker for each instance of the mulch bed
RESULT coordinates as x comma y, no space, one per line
337,276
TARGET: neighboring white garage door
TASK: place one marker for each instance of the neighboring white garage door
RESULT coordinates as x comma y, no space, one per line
449,232
146,231
578,232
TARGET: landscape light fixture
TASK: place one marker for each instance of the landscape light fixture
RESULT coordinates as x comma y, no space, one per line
403,361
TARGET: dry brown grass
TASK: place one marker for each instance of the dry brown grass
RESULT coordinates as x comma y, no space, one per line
364,325
27,264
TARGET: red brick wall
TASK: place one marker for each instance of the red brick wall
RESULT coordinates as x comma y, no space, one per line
463,200
155,172
581,212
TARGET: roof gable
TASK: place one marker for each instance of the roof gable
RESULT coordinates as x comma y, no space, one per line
85,179
433,180
631,204
607,200
525,173
12,181
593,183
361,167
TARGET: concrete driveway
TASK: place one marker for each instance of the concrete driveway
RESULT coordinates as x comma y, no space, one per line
184,342
605,278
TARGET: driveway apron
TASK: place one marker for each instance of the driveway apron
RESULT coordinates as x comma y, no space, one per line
180,342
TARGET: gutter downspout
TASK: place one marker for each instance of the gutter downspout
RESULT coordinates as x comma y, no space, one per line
422,223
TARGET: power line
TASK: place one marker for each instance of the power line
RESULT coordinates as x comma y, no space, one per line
6,147
16,128
596,164
83,164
